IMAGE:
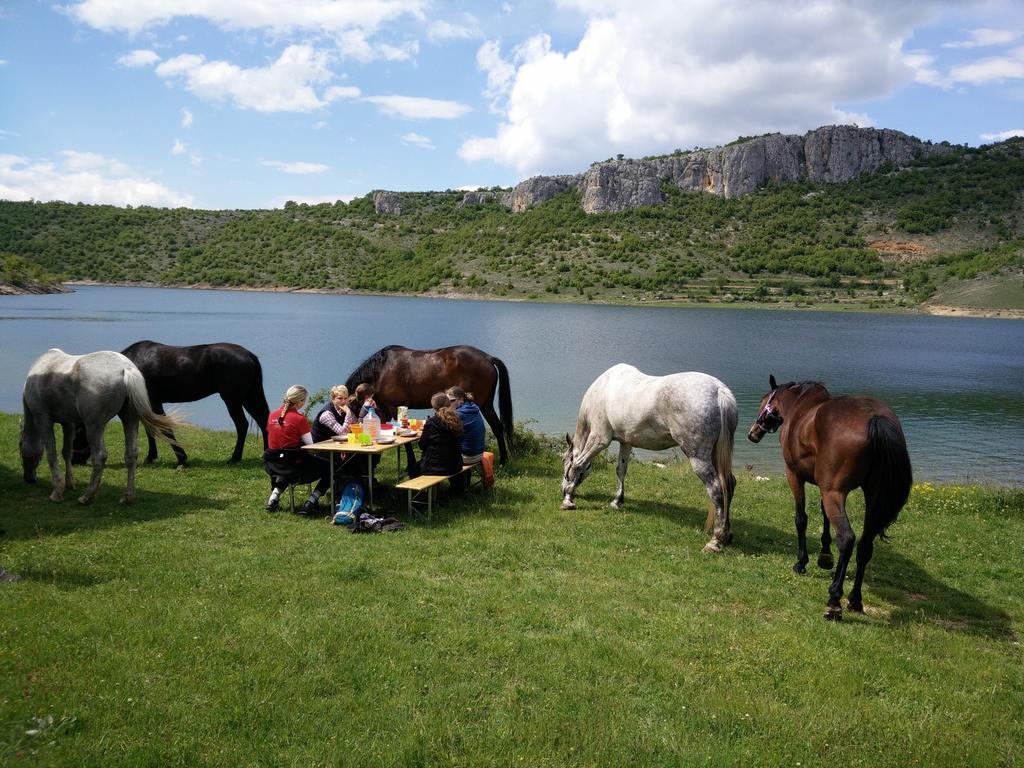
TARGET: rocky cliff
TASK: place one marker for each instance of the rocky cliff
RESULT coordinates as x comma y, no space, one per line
829,154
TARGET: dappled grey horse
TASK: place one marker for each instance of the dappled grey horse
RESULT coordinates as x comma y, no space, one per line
695,411
88,391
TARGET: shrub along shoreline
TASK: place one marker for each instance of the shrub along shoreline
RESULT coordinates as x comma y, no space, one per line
193,627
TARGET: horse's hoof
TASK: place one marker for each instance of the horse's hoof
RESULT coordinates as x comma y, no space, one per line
825,561
799,568
56,496
616,505
833,613
181,467
856,607
713,547
127,499
85,500
149,460
234,459
568,505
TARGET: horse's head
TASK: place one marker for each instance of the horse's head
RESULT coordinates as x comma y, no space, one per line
769,417
573,474
31,454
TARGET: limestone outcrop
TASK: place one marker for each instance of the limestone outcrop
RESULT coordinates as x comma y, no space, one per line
833,153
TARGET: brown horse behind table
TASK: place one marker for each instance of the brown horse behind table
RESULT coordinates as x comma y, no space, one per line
403,376
838,444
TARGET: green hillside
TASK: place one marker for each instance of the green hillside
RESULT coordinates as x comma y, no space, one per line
893,238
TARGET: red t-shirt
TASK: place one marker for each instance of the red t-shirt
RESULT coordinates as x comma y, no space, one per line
289,434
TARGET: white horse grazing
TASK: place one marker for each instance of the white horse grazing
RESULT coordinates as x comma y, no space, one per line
87,390
695,411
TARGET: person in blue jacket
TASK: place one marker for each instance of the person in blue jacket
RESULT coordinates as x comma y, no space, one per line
472,424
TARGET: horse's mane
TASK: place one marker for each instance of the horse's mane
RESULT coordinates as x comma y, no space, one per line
804,386
367,370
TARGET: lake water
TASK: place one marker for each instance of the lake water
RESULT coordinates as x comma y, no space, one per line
957,384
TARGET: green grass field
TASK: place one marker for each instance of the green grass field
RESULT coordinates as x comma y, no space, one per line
193,628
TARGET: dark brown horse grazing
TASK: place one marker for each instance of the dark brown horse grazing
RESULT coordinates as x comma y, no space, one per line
403,376
838,444
186,374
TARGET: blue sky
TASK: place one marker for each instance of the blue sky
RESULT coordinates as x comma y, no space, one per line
249,103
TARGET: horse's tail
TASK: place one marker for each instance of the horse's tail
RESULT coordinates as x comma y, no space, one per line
722,454
156,424
504,400
890,475
257,396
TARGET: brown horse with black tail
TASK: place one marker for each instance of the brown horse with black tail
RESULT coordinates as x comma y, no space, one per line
403,376
838,444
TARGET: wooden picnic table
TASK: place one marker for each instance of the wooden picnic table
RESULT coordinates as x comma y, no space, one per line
334,447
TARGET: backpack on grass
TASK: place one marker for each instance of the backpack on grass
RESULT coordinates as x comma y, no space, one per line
351,504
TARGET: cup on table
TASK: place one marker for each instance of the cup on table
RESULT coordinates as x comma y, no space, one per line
356,429
365,439
352,438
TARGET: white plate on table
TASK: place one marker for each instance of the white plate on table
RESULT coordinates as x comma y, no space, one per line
385,439
406,432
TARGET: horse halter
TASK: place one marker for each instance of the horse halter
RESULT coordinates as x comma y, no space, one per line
769,420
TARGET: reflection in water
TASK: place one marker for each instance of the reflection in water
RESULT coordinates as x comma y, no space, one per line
956,383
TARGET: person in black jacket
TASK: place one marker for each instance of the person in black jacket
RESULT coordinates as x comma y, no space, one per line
440,443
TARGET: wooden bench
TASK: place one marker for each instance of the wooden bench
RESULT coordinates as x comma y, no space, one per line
428,484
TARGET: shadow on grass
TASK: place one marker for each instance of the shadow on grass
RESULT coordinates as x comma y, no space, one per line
29,514
918,597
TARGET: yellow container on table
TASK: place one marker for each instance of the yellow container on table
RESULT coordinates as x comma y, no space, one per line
352,438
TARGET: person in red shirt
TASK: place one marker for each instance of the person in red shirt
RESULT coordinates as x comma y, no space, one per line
288,428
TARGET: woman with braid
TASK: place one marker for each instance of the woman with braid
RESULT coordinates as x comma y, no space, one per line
288,428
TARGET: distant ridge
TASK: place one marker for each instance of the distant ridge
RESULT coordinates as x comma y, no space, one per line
833,153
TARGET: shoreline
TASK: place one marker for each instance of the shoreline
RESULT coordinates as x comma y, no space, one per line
937,310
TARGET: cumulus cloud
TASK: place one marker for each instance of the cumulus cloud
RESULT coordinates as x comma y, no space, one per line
296,167
646,77
186,118
1002,135
416,140
84,177
179,148
286,85
418,107
982,38
139,58
991,69
277,16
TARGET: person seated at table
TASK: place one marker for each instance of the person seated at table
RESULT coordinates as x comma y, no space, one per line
288,428
336,417
472,424
364,399
440,443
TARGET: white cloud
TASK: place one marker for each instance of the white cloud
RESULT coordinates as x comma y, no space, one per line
926,74
1002,135
418,107
179,148
276,16
82,177
646,77
279,202
336,92
186,118
3,62
416,140
284,86
992,69
982,38
440,30
319,125
139,58
296,167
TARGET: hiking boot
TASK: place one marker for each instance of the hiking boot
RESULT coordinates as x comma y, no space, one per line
274,504
310,508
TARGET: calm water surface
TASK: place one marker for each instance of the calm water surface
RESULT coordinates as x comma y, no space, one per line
956,383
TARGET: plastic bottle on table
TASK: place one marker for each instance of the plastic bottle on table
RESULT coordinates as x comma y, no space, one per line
371,424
